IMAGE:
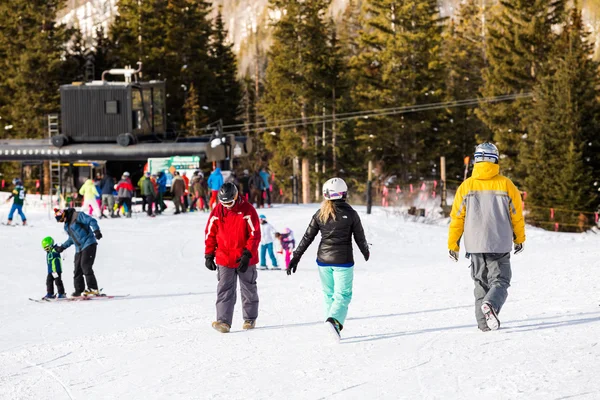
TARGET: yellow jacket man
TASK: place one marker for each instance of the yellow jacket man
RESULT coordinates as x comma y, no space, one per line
488,213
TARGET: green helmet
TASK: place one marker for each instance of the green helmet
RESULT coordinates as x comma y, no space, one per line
47,243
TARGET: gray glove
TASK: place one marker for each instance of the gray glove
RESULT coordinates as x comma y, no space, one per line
519,248
453,255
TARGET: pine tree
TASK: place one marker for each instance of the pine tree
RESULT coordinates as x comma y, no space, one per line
77,57
192,112
519,40
464,57
566,116
102,53
225,91
32,46
295,84
399,64
171,39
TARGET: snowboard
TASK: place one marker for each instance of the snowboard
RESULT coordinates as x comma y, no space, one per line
332,332
82,298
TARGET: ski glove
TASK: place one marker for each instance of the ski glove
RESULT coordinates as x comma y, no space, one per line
243,261
98,234
367,256
519,248
59,249
453,255
55,275
209,260
293,265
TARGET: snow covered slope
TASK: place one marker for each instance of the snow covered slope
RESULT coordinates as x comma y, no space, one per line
411,333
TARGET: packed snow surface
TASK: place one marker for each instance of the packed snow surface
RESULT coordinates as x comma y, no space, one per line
411,331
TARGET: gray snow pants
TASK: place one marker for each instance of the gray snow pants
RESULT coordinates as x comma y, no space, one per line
491,274
227,296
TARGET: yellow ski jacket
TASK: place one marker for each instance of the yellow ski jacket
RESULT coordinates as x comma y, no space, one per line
488,210
88,190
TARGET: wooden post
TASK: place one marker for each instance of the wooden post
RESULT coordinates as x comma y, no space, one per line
443,179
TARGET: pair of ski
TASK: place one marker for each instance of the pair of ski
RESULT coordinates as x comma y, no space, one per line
80,298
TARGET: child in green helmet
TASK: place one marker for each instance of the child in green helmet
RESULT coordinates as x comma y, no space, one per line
54,270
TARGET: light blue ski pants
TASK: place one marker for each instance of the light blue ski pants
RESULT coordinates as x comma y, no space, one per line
18,208
337,291
264,248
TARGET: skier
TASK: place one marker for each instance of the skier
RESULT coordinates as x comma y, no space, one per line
84,232
90,193
140,184
266,177
149,193
124,194
266,243
487,210
231,246
338,222
161,180
54,263
18,195
215,181
287,242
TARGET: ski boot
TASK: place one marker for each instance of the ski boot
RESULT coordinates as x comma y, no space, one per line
248,324
62,296
491,316
76,294
9,222
24,223
263,267
221,326
276,268
91,292
49,296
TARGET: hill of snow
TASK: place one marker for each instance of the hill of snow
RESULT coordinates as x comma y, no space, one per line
411,332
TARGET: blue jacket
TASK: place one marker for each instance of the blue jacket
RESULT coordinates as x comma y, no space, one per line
54,262
162,183
107,185
265,177
215,180
81,231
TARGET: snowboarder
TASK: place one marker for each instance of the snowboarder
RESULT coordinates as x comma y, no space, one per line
487,210
231,247
84,232
338,222
266,243
54,264
90,193
18,195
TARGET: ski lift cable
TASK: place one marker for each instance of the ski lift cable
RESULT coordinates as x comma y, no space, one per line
387,112
319,118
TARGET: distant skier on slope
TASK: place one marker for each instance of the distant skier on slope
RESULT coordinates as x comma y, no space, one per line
84,232
18,195
338,222
487,209
231,246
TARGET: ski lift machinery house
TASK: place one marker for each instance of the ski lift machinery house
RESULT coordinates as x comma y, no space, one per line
116,121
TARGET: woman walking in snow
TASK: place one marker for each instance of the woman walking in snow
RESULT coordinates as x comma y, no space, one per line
338,222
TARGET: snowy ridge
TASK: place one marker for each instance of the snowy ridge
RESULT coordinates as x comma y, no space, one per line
411,332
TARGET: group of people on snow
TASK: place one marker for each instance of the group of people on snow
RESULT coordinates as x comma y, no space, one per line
487,211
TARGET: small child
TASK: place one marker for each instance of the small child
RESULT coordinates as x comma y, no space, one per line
266,243
54,270
286,238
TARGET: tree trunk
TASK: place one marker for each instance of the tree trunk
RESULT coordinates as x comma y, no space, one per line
305,161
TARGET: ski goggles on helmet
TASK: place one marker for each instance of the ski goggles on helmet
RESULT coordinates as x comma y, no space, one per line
60,215
229,204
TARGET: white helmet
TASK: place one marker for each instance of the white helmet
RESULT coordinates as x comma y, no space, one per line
486,152
126,174
335,189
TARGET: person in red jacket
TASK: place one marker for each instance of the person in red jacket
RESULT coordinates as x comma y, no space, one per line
231,247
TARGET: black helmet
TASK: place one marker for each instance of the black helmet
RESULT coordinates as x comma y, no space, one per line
228,194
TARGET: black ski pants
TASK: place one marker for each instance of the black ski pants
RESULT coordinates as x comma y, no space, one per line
84,262
50,280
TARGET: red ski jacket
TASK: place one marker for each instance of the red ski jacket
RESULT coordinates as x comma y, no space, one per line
230,231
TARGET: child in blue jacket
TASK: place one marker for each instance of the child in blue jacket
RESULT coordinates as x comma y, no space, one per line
54,263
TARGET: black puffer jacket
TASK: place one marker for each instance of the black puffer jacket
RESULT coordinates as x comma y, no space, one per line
336,237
